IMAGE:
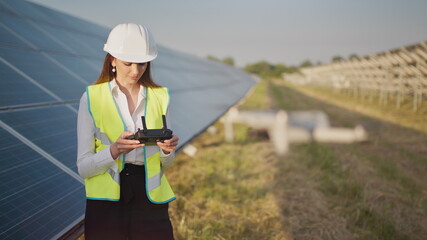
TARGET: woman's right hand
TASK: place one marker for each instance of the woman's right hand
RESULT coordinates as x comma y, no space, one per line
123,145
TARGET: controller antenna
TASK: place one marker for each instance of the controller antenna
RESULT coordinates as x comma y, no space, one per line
144,125
164,122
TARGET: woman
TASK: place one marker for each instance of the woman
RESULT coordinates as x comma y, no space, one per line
127,192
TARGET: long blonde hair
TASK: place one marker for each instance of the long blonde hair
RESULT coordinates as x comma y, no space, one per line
107,74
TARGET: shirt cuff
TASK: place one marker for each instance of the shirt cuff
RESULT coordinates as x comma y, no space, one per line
166,159
162,154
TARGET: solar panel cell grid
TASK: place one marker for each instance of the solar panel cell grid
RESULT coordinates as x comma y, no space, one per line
82,67
16,90
53,129
23,8
74,42
45,71
32,37
32,190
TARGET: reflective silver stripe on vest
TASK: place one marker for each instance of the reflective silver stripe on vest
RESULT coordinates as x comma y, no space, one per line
151,150
113,171
102,136
114,175
154,181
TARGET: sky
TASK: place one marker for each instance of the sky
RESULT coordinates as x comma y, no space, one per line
277,31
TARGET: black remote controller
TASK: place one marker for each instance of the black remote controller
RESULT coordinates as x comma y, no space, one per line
151,136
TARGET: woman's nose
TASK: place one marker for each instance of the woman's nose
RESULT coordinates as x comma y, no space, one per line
135,69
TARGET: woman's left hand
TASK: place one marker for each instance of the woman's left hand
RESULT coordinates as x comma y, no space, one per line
169,145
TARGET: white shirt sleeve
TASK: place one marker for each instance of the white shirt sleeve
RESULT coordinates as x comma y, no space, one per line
89,163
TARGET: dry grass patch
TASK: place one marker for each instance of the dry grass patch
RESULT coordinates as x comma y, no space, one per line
373,190
226,191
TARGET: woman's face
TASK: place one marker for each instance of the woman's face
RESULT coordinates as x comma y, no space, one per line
126,71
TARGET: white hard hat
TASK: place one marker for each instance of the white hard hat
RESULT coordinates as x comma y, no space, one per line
131,42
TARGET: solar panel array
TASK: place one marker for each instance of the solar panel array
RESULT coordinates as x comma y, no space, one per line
47,58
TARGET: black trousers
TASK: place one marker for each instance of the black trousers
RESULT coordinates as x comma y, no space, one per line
133,217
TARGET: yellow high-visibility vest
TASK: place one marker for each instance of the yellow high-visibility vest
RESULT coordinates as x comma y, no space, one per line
109,126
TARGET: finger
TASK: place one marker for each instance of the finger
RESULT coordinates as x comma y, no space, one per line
127,141
129,146
125,134
171,142
165,144
173,138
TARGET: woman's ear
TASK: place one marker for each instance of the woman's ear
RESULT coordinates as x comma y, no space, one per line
113,62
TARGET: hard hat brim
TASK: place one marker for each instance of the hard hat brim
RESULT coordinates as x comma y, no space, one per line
133,58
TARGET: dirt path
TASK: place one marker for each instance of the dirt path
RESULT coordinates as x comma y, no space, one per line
372,190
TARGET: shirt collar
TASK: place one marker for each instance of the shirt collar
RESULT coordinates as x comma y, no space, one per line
114,88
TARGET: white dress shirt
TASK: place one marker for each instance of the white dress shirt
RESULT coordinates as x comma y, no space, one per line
89,163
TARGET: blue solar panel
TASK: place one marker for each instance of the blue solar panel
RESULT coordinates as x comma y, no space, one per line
34,193
22,29
75,42
16,90
46,72
6,36
53,129
47,58
24,8
86,69
56,32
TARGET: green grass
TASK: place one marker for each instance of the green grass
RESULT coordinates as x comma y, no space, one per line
242,190
367,187
224,192
336,183
258,98
408,154
389,171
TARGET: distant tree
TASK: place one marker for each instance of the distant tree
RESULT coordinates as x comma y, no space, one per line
228,61
306,63
267,70
262,68
210,57
337,58
353,56
279,69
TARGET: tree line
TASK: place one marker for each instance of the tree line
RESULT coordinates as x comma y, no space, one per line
265,69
